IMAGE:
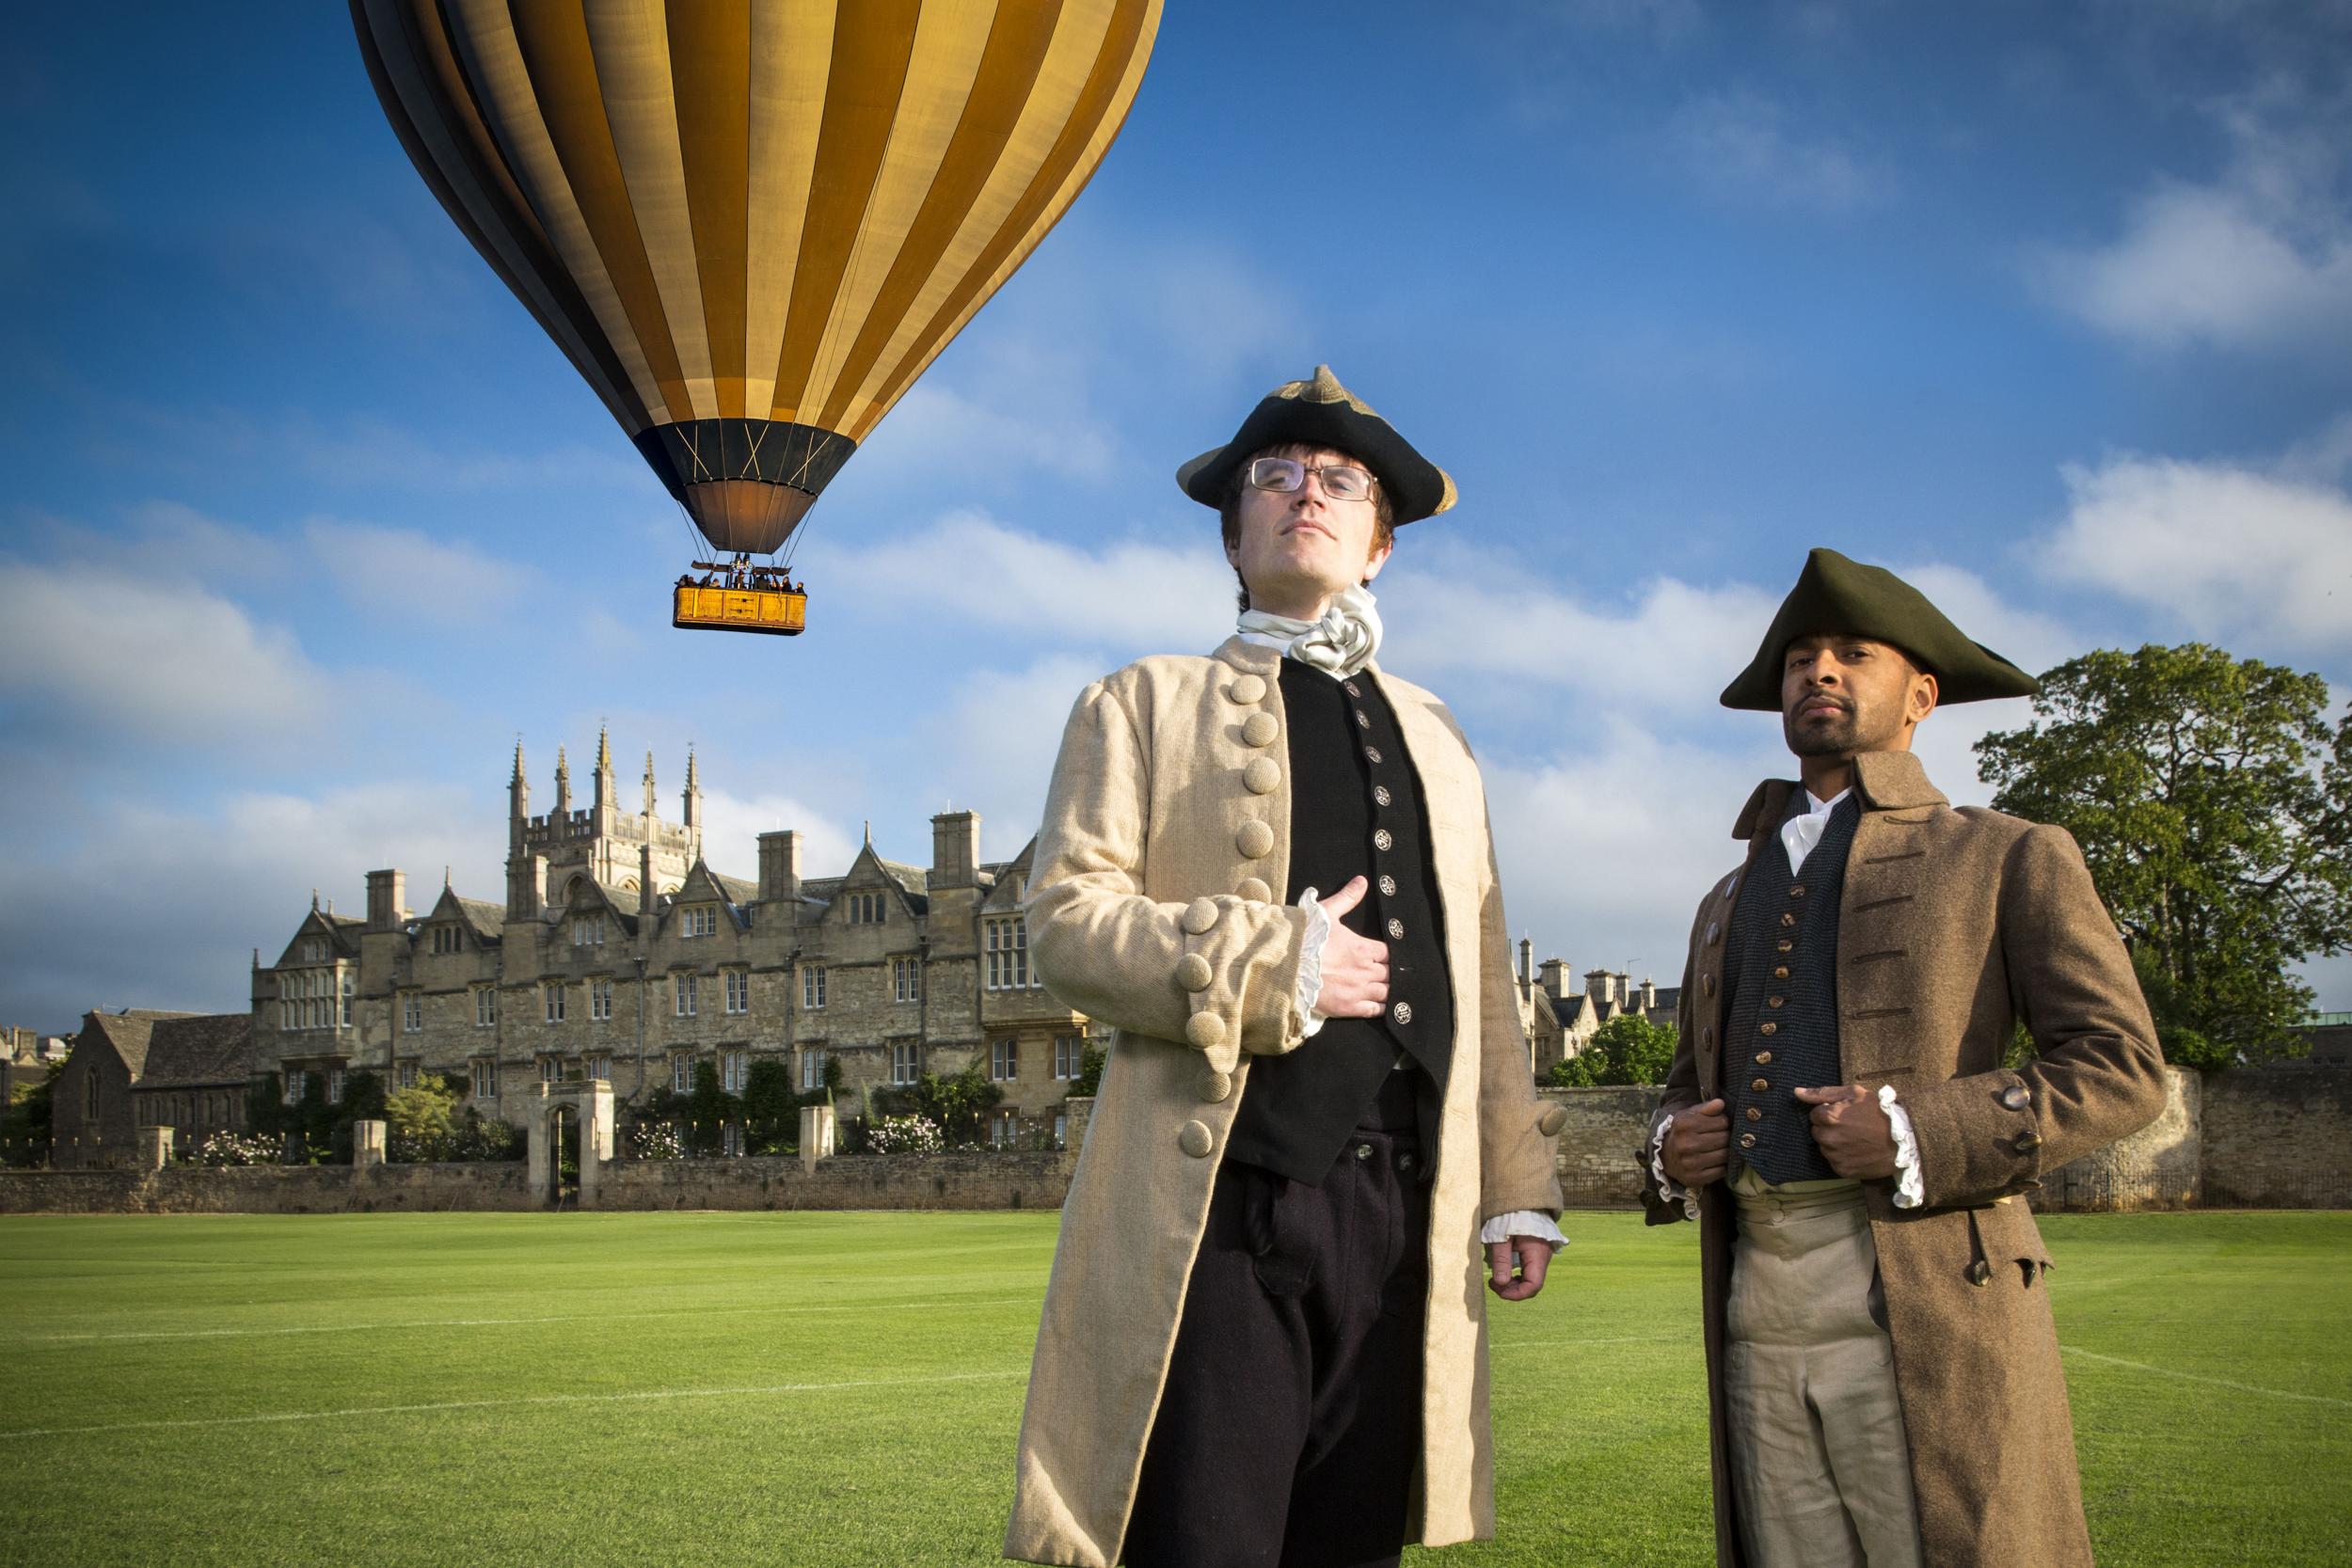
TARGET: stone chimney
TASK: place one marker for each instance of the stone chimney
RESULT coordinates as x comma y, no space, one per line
1527,962
1555,976
779,869
1600,985
1650,996
386,891
955,848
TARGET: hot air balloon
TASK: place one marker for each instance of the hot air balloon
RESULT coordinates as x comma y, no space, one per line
750,224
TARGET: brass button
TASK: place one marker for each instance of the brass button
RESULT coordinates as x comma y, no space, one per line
1763,1058
1262,776
1707,984
1747,1140
1402,1012
1768,1028
1774,1001
1780,973
1248,688
1388,886
1255,840
1788,920
1797,892
1756,1113
1253,889
1761,1084
1380,795
2028,1142
1714,930
1363,720
1259,729
1195,1139
2017,1096
1397,931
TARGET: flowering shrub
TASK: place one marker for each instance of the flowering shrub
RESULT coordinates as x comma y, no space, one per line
228,1149
905,1135
656,1140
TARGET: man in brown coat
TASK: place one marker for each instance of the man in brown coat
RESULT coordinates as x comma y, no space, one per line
1317,1141
1883,1371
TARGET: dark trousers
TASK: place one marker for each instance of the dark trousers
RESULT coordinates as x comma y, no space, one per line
1290,1427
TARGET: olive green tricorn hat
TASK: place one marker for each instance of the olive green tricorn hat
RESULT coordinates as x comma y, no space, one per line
1835,594
1319,412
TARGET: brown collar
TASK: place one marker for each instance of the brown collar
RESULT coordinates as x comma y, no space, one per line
1886,781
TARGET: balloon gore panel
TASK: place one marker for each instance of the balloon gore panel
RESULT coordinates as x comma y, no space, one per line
745,483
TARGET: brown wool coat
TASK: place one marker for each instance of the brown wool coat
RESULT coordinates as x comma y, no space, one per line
1155,907
1953,923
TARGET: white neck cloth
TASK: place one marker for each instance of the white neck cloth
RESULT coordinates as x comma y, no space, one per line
1340,643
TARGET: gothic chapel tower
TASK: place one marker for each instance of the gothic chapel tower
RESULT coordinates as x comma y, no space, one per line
549,856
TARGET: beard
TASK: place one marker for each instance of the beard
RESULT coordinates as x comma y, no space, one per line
1834,736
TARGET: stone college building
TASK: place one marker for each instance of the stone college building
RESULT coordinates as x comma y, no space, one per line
620,954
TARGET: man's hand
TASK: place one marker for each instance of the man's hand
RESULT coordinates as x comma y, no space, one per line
1698,1144
1852,1131
1533,1257
1355,969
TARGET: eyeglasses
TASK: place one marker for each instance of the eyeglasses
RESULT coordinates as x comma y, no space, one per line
1340,482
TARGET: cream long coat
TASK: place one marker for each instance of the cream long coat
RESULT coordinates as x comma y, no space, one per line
1155,907
1952,923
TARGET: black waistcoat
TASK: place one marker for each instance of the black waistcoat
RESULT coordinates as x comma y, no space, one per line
1780,1013
1356,811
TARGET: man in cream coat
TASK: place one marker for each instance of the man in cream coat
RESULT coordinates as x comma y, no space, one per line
1317,1141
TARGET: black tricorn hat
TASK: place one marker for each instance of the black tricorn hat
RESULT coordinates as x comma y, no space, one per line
1319,412
1835,594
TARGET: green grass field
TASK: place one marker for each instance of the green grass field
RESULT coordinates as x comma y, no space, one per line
843,1390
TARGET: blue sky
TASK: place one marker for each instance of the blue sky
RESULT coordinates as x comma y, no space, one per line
2048,305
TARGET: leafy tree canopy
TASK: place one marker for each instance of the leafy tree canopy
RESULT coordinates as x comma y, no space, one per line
1624,1049
2209,795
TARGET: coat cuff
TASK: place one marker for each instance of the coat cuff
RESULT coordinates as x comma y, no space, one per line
1239,972
1979,1138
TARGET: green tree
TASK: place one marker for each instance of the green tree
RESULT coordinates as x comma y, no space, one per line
420,1121
706,1110
2209,795
1624,1049
1089,1080
24,1124
771,1110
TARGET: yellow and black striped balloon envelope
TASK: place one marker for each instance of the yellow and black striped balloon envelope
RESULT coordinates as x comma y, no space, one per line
750,224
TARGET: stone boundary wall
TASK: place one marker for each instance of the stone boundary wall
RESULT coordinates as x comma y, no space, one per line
2279,1137
959,1181
1600,1145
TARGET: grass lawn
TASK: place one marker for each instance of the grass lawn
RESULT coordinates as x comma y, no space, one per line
843,1390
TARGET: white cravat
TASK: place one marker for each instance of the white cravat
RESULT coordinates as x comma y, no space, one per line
1800,834
1340,643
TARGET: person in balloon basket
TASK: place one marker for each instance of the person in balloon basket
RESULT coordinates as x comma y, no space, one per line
1317,1141
1882,1373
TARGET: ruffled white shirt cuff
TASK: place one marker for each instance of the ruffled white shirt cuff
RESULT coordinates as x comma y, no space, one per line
1668,1188
1532,1223
1311,963
1909,1192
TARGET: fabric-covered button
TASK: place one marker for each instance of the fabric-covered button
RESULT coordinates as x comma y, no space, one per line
1372,754
1380,795
1196,1139
1397,931
1731,885
1205,1030
1383,839
1248,688
1707,984
1402,1012
1262,776
1747,1140
1192,971
1253,889
1255,840
1714,930
1550,1123
1200,915
1215,1084
2017,1096
1388,886
1259,729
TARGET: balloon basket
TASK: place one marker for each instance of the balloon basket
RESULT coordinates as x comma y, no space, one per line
735,598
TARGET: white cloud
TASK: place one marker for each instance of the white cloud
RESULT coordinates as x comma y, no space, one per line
967,568
1741,148
2233,552
116,652
404,573
994,745
733,823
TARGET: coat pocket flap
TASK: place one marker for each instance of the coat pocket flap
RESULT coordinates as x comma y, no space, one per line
2008,1233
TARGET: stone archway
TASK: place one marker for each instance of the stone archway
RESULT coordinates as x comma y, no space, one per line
586,1105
